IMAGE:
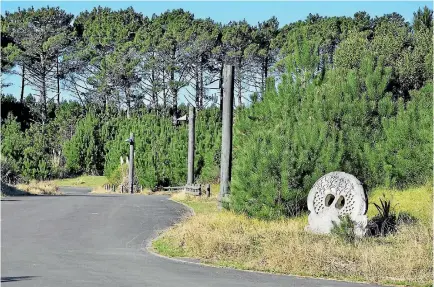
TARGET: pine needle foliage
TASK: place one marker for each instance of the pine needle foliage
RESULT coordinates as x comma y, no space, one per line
345,229
344,119
161,148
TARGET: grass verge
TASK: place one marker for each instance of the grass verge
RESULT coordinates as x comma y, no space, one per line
282,246
90,181
33,188
102,190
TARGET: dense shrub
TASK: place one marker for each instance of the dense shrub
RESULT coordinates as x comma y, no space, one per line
345,229
116,176
405,152
9,173
208,144
161,148
84,152
36,155
10,105
346,121
25,152
12,143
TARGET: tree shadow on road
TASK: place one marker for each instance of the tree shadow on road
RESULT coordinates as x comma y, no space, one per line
9,190
17,278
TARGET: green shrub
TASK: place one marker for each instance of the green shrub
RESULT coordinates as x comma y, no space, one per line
208,144
9,173
346,121
300,132
84,152
116,177
161,148
405,152
13,143
36,155
345,229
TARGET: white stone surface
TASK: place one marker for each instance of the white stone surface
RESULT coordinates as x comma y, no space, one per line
337,194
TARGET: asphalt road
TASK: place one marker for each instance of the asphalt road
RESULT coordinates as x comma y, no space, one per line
99,240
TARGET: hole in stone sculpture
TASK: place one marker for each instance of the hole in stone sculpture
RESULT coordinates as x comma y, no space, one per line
340,203
329,199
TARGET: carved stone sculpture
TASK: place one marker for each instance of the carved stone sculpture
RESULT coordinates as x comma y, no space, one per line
333,195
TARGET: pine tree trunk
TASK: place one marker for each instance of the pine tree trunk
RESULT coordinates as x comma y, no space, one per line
128,100
196,78
266,68
22,83
44,99
262,80
119,102
201,93
58,82
240,84
173,88
174,97
106,103
44,107
154,91
43,92
221,88
265,72
164,92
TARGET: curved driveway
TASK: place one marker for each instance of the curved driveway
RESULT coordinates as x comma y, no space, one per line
80,239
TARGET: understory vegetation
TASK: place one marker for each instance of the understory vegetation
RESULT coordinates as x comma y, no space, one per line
349,122
224,238
32,188
81,181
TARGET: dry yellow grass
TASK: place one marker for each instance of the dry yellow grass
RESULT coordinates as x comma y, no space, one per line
82,181
282,246
101,190
39,188
418,201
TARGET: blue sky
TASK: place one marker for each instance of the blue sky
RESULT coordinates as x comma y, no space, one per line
253,12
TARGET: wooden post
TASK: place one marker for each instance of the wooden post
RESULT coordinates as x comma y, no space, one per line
131,162
227,121
191,141
208,190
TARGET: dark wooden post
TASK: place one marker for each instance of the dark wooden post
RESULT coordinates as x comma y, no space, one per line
208,190
226,151
191,141
131,163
